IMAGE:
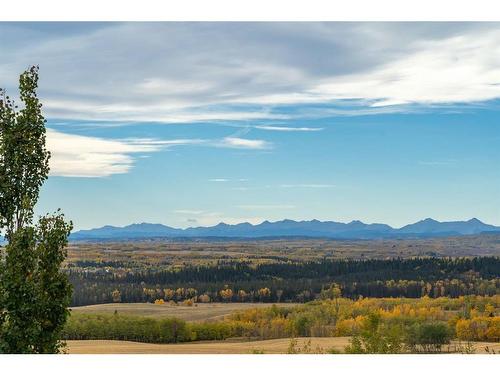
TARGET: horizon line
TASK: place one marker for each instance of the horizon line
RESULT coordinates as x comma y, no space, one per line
282,220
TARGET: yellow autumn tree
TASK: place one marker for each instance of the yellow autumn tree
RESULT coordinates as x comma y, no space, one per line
226,294
116,296
264,293
169,294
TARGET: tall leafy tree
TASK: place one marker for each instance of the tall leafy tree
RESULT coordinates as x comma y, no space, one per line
34,293
24,160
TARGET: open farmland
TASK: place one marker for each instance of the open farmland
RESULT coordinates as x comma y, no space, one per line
200,312
276,346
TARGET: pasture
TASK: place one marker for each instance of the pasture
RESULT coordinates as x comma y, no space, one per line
195,313
276,346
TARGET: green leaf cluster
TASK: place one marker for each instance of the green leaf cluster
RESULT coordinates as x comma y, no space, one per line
34,293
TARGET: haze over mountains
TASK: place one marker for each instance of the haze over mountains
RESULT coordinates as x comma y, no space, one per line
290,228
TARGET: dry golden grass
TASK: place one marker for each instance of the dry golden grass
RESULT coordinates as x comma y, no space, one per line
201,312
276,346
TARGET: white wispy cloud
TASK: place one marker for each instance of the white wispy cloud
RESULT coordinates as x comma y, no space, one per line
85,156
227,142
287,128
459,69
82,156
162,111
228,180
233,142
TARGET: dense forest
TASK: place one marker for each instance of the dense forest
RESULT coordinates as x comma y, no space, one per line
231,281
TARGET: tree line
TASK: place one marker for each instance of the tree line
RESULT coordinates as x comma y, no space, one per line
290,282
377,325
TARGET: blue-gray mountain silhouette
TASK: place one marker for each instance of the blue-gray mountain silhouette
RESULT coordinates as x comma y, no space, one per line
287,228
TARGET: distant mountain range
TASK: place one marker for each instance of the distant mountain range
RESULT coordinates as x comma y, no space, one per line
290,228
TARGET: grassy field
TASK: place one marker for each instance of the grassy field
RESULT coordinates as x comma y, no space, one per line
201,312
277,346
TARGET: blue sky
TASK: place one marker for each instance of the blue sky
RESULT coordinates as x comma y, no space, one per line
192,124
